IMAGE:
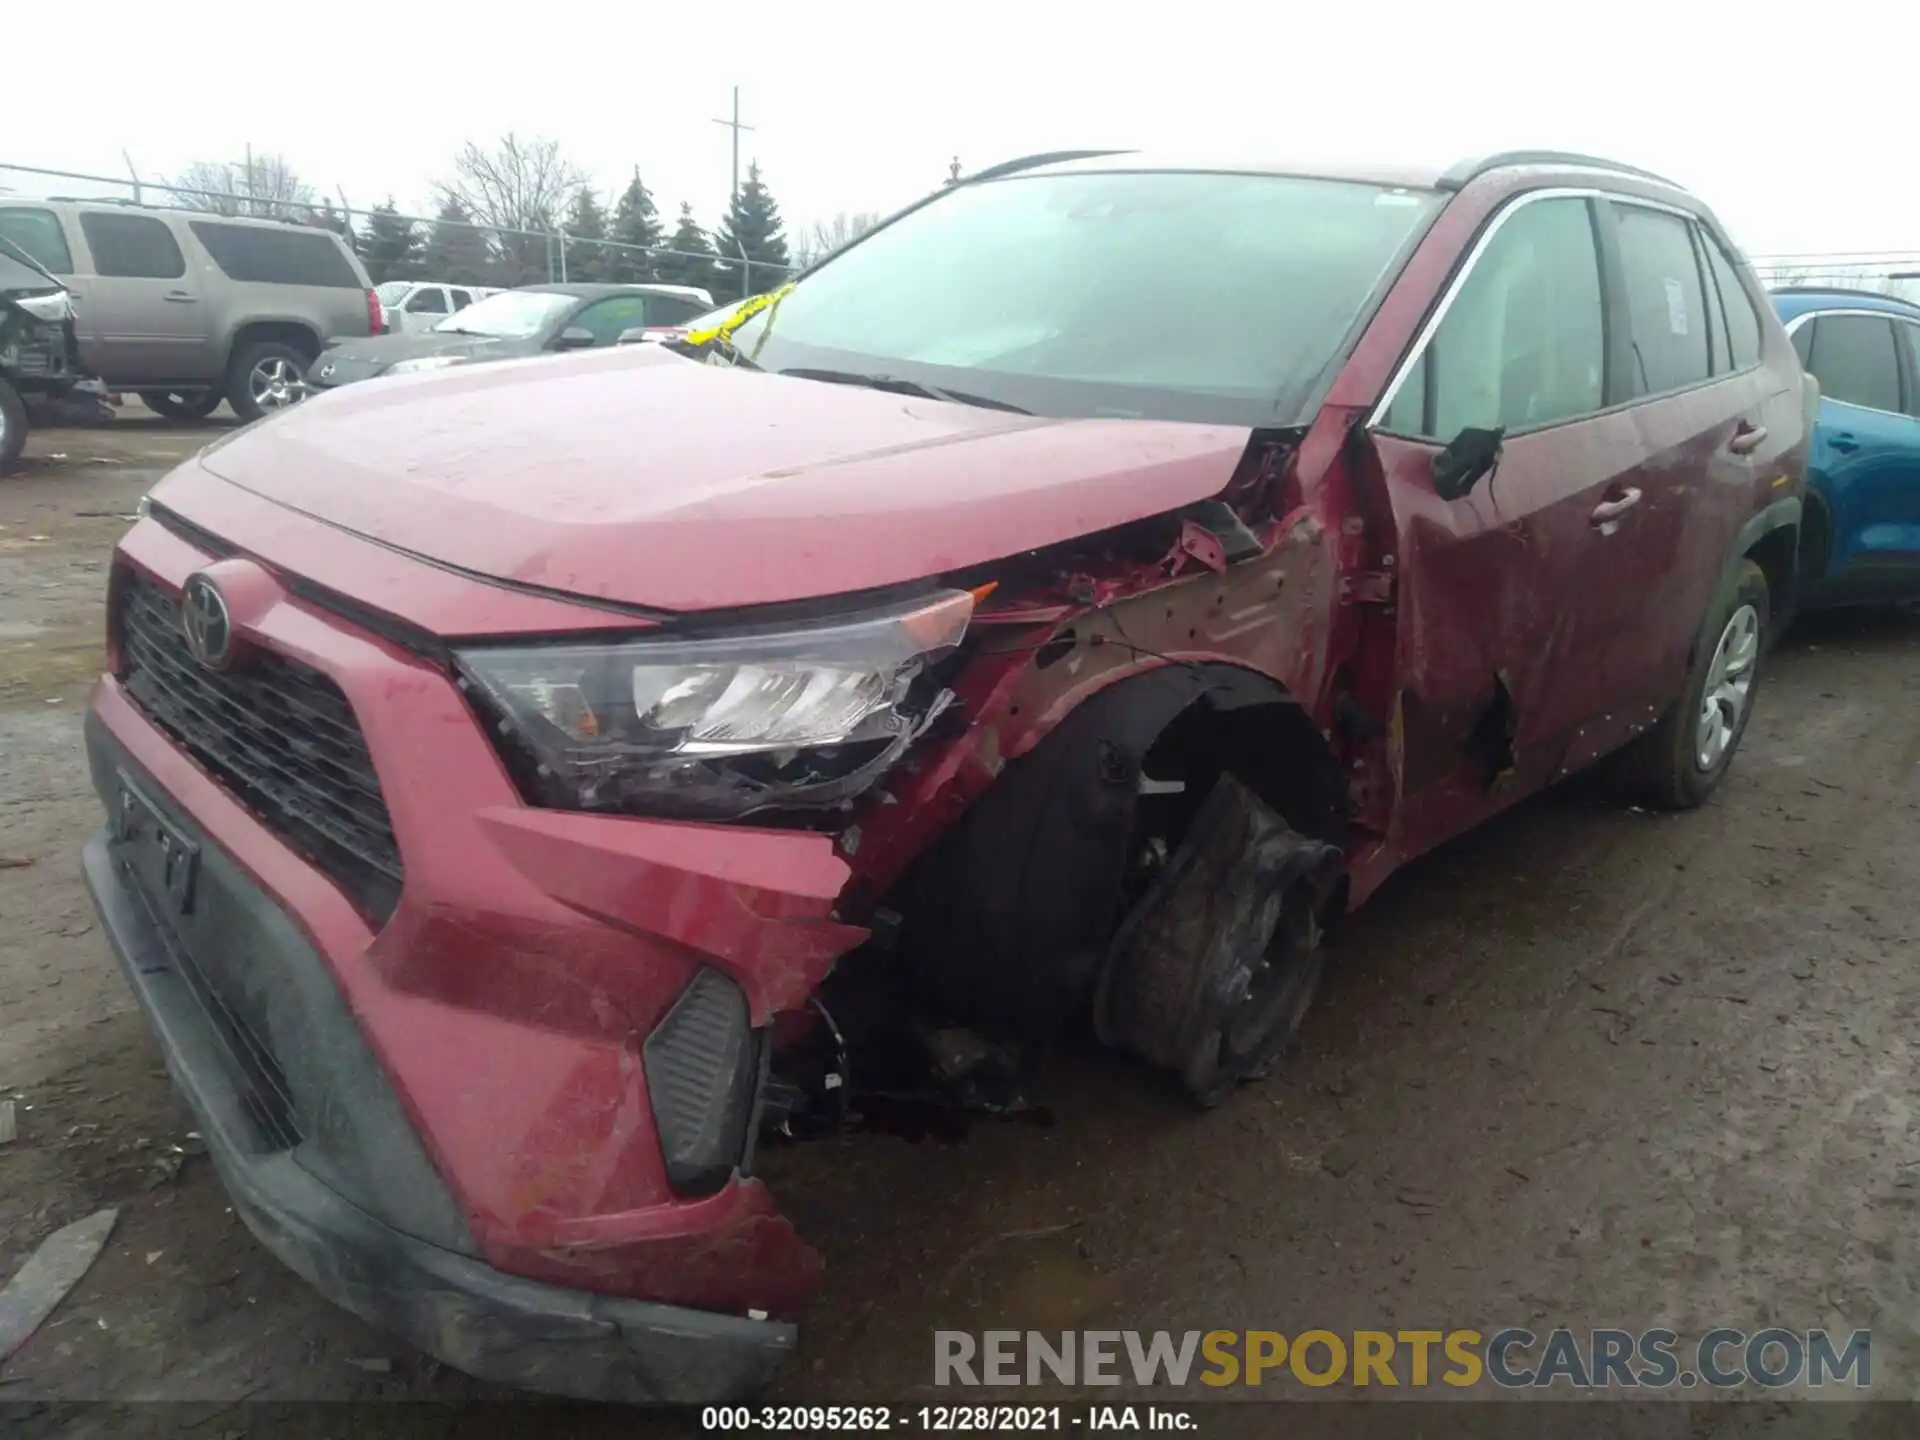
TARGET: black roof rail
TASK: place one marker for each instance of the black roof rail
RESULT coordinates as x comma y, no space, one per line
1029,162
1457,177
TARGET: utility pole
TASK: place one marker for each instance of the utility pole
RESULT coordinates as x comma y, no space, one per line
735,126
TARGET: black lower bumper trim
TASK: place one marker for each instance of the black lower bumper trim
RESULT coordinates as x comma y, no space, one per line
477,1319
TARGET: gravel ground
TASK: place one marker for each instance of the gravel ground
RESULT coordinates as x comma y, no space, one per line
1586,1066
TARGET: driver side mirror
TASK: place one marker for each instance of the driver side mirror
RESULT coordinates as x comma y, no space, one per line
574,337
1469,456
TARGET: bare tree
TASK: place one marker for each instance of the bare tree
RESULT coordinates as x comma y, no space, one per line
265,186
517,185
823,237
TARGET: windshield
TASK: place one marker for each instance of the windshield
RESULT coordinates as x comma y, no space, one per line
510,315
1170,295
393,292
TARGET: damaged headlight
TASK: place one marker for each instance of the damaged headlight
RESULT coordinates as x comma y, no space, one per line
721,726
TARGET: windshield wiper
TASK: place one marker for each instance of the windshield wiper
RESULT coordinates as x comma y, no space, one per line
895,385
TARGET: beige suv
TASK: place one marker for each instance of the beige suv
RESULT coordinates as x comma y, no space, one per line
190,309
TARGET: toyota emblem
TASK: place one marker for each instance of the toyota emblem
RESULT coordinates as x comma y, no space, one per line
208,627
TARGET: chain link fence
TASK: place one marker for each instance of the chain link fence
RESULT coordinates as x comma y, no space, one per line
514,256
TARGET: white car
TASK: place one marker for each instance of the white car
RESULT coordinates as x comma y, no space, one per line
414,305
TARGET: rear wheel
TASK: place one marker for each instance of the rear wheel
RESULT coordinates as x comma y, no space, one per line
182,404
265,376
13,426
1681,761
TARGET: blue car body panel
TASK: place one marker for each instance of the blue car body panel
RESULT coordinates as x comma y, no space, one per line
1862,539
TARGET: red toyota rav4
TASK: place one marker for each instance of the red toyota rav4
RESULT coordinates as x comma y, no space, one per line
530,785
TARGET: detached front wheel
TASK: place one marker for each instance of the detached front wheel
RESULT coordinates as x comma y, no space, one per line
13,426
1682,760
1216,966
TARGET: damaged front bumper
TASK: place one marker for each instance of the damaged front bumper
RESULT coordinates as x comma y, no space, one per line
306,1201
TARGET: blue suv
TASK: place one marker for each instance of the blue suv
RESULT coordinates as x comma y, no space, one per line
1861,539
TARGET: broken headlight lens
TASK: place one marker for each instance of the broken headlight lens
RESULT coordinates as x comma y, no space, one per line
721,726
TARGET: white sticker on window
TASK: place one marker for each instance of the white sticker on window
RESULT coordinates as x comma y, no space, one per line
1676,307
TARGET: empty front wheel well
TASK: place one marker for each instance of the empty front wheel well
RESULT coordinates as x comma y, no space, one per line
1010,914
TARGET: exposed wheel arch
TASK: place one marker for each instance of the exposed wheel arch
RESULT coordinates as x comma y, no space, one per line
1007,917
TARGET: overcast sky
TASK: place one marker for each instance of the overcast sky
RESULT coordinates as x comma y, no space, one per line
860,106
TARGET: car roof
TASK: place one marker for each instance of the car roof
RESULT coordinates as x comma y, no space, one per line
1395,174
108,203
1792,300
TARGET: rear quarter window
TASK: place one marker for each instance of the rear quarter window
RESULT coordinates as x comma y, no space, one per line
276,257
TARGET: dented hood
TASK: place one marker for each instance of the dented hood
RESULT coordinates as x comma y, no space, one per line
638,476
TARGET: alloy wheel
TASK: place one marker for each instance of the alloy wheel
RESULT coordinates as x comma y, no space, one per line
1729,687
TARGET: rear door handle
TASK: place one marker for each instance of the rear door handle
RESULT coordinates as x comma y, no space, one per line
1843,442
1608,511
181,297
1747,439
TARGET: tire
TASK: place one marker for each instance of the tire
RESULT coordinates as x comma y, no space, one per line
13,426
182,404
1213,971
1682,760
259,376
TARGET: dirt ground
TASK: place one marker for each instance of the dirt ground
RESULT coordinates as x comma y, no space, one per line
1587,1066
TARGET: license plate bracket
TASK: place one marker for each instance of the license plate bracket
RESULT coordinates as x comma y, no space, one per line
161,858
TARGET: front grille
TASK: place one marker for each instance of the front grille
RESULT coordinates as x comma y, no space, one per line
280,734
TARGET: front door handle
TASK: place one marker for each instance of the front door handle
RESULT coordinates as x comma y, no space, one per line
181,297
1608,511
1843,442
1747,439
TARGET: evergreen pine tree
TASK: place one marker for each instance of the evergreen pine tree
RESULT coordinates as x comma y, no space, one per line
635,223
586,227
690,257
390,245
753,226
455,250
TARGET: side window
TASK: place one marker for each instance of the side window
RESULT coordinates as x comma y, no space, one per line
1853,358
262,254
671,310
427,300
609,317
38,233
1909,334
1718,362
132,247
1743,321
1666,307
1522,344
461,299
1803,344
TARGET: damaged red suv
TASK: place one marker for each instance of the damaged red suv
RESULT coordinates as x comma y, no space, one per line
531,785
